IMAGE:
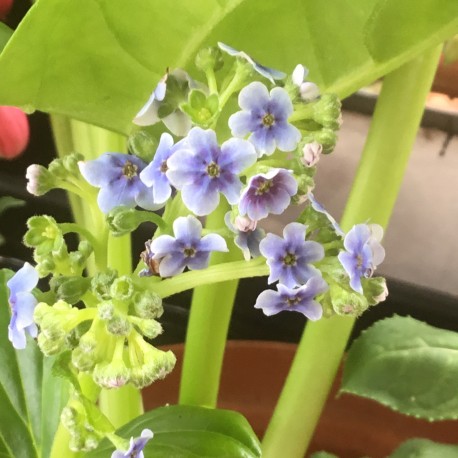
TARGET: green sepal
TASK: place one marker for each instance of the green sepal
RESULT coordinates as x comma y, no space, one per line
177,93
347,302
70,289
200,108
143,145
190,432
209,59
44,235
406,365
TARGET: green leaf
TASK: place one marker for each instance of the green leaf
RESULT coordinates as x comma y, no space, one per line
99,60
5,35
31,399
190,432
403,29
423,448
406,365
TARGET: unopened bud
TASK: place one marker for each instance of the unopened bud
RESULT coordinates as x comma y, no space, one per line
122,288
119,326
209,59
148,305
245,224
311,153
327,111
39,180
149,328
123,220
111,375
101,284
347,302
70,289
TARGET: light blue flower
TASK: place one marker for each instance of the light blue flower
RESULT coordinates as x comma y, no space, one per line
154,174
294,300
22,303
136,446
266,193
289,257
265,117
117,176
202,170
187,248
269,73
363,253
248,235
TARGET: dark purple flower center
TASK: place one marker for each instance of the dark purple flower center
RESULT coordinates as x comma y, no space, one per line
189,252
268,120
213,170
290,259
292,301
129,170
264,187
164,167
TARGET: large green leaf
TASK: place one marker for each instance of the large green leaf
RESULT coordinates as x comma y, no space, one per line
5,35
191,432
98,60
406,365
423,448
31,399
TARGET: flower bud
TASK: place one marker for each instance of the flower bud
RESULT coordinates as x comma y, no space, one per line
155,368
39,180
123,220
111,375
122,288
143,145
311,153
149,328
70,289
245,224
148,305
210,58
106,310
327,111
51,346
82,360
119,326
101,284
326,137
69,417
346,302
14,130
375,289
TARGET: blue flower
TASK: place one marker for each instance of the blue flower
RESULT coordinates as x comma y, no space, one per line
320,209
307,90
269,73
266,193
154,175
265,116
289,257
295,300
364,253
248,235
201,169
117,176
187,248
22,303
136,446
177,122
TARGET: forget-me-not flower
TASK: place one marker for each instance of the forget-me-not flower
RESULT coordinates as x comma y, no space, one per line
22,303
117,176
154,174
266,193
265,117
248,236
295,300
202,170
187,248
136,446
289,257
363,253
270,73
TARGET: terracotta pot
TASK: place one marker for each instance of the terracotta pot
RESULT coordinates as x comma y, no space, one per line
351,427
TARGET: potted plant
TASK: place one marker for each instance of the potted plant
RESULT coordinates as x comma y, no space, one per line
217,136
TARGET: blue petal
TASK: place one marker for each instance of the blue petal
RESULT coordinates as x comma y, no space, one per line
270,302
203,142
163,245
264,141
311,309
356,238
241,123
172,265
294,233
103,170
254,96
24,308
25,279
212,242
282,107
272,246
17,337
287,137
201,199
199,260
187,229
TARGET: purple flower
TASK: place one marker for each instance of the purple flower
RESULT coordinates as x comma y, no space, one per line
295,300
248,235
177,122
154,174
364,253
266,193
22,303
307,90
265,116
136,446
201,169
320,209
289,257
187,248
117,176
269,73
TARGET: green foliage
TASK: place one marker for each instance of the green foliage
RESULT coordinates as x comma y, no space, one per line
190,432
406,365
5,34
323,455
423,448
103,58
31,399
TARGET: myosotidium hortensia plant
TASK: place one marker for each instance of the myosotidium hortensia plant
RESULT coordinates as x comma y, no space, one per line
157,120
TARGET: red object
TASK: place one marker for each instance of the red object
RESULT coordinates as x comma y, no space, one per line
5,6
14,132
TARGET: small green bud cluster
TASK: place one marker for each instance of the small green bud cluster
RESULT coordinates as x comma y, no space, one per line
200,108
123,220
50,249
209,59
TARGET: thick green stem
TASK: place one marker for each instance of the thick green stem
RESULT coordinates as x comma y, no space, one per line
211,310
375,189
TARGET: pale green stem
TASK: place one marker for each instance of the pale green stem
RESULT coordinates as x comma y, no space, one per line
375,189
208,325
